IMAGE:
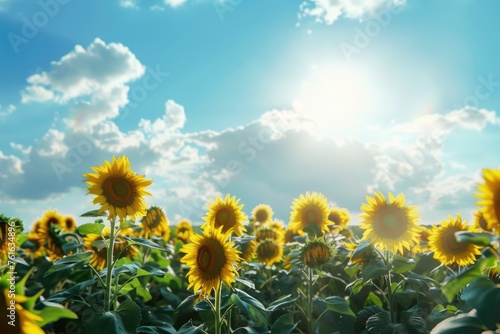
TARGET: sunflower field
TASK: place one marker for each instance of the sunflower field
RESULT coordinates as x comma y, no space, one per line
133,271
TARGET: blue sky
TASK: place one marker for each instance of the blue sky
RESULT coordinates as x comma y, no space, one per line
264,100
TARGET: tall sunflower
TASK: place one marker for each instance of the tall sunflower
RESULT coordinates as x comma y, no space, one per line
212,260
269,251
155,222
445,246
262,213
118,189
310,214
489,198
225,213
183,230
315,253
389,224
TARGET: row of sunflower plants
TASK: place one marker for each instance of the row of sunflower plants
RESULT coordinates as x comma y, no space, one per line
128,272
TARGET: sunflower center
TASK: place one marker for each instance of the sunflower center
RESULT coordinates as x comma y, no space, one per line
211,259
334,217
118,191
450,243
224,217
261,216
311,215
390,222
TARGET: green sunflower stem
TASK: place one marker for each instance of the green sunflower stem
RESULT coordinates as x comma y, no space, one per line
109,265
309,310
218,317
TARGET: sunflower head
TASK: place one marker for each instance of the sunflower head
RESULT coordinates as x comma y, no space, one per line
423,238
315,253
51,218
247,247
265,232
489,198
118,189
68,224
339,217
155,222
26,322
225,213
310,214
445,246
211,259
183,230
262,213
481,223
269,251
390,224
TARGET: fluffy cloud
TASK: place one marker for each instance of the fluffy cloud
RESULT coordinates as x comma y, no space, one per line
157,5
328,11
94,79
4,112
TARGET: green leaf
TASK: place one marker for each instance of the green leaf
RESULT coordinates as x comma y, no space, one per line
457,283
51,312
94,228
378,323
93,213
250,307
373,299
339,305
282,302
284,325
464,323
476,238
144,242
125,319
402,264
483,295
374,270
439,313
189,328
355,286
245,281
69,262
363,248
363,316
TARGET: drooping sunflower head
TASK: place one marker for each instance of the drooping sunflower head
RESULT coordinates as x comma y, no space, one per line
423,240
310,214
315,253
339,217
269,251
390,224
155,222
445,246
481,223
489,198
211,259
118,189
225,213
183,230
262,213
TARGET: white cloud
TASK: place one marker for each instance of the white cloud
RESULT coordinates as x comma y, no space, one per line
328,11
4,112
128,3
94,79
174,3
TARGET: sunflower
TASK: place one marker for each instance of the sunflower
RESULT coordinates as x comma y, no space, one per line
269,251
489,198
25,321
423,236
155,222
277,225
340,217
99,258
310,214
184,230
118,189
265,232
481,223
247,247
315,253
262,213
389,224
212,260
445,246
68,224
45,233
4,237
226,213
